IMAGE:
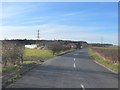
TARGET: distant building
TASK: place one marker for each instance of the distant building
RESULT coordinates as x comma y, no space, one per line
100,45
31,46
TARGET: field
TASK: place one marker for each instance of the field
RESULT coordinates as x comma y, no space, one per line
37,53
42,53
107,47
108,56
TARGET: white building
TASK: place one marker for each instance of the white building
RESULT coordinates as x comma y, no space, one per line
30,46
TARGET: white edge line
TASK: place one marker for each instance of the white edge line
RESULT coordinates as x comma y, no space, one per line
105,67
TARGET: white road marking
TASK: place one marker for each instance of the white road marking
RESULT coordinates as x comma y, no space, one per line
82,86
74,59
74,65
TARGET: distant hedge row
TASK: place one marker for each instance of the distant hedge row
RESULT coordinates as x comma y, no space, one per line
107,54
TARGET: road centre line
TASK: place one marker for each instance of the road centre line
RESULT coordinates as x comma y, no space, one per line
82,86
74,59
74,65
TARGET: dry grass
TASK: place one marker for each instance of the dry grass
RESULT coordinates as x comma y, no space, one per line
107,63
107,54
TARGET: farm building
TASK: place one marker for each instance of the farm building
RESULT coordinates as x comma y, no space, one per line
31,46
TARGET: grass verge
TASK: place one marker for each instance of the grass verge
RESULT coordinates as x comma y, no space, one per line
10,68
29,62
63,52
114,67
14,78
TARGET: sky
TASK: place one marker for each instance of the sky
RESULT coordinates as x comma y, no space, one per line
94,22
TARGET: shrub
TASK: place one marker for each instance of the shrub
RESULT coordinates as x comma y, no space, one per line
55,47
12,53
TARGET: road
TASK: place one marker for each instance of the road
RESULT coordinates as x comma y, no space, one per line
72,70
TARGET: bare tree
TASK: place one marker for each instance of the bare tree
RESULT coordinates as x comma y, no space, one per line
55,47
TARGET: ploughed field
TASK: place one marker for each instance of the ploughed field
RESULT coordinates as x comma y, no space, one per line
107,53
108,56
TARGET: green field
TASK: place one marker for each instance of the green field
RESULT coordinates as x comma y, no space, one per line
114,67
42,53
37,53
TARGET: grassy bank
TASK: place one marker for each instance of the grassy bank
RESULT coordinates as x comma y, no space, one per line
106,63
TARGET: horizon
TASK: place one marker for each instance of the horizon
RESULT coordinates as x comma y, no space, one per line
93,22
56,40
